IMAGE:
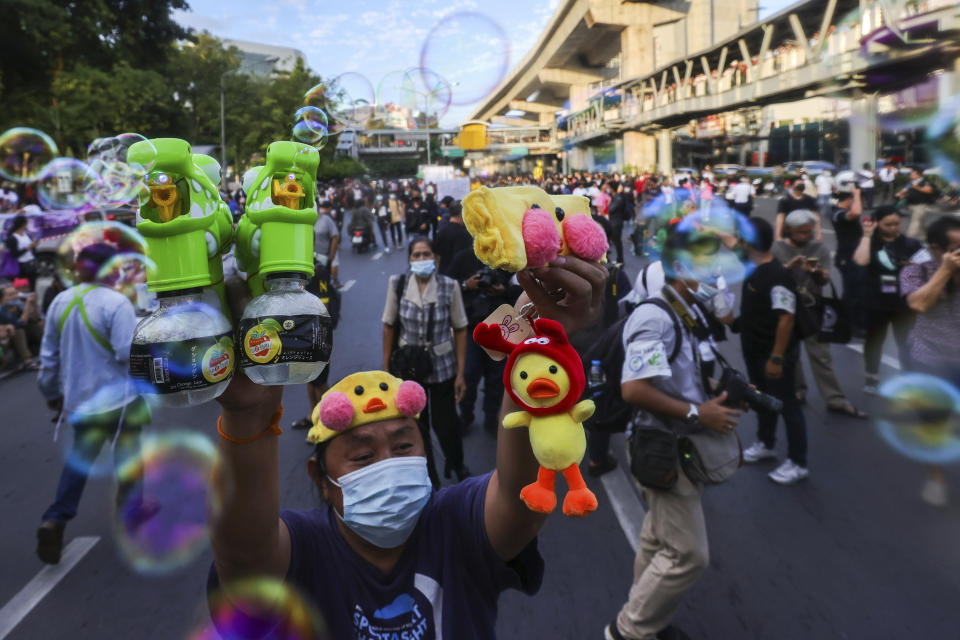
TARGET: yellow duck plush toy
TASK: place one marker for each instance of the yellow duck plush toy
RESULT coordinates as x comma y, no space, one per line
544,375
362,398
515,228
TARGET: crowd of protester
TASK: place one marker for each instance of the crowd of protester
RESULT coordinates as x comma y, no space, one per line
906,281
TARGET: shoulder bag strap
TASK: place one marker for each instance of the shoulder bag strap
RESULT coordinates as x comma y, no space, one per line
677,331
78,303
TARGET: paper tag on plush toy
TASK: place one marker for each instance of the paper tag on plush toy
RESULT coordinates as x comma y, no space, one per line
513,327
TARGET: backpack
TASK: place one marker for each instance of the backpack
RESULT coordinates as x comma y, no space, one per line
612,412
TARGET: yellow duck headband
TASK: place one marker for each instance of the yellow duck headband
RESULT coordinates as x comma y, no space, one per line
362,398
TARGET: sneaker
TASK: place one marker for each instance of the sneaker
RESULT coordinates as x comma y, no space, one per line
935,493
50,541
610,632
758,451
597,469
788,473
870,388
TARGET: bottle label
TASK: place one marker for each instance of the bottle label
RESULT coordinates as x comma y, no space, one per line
278,339
183,365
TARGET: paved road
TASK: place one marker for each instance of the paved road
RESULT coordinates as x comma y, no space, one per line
851,553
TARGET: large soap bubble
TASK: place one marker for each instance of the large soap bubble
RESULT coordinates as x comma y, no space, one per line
24,152
261,608
920,418
471,51
348,99
120,181
64,184
161,519
107,253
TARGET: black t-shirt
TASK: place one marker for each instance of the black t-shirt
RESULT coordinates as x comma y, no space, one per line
915,196
788,204
883,272
451,239
848,232
768,293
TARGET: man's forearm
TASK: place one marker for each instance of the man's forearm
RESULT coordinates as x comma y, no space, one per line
460,342
388,333
640,393
784,333
245,532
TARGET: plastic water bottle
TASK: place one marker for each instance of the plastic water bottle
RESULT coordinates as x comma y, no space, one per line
597,378
285,335
182,354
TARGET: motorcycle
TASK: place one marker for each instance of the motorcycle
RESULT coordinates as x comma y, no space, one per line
361,239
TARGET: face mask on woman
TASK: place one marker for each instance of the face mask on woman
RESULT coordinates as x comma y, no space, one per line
383,501
423,268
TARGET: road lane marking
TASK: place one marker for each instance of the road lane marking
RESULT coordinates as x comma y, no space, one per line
626,505
378,255
30,596
890,361
346,287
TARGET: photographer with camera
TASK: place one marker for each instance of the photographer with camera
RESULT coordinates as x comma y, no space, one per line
770,351
484,289
680,439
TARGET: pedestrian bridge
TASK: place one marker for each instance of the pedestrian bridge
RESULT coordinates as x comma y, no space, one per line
845,48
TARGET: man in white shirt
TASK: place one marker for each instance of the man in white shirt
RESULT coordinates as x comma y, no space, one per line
826,185
887,175
743,194
865,182
661,378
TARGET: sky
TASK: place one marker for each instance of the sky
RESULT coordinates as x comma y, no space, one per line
377,37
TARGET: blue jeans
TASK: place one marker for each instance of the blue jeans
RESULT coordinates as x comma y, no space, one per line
90,434
784,390
481,366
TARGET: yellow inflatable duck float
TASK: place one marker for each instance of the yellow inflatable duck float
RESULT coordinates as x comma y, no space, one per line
544,375
515,228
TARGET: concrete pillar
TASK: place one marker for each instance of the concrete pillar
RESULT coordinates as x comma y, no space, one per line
664,151
639,150
863,131
636,48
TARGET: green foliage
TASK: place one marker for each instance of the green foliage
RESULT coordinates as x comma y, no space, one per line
341,167
80,71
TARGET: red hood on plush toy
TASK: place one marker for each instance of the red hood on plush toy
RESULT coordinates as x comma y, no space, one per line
549,340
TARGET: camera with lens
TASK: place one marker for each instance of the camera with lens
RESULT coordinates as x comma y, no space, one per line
739,391
488,278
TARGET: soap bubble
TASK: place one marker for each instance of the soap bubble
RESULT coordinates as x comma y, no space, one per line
102,249
64,184
124,272
92,427
943,140
163,501
396,91
311,126
920,418
699,241
260,608
349,100
121,180
24,153
471,51
436,95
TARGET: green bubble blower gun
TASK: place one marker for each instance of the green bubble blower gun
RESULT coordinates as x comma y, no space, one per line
186,224
275,233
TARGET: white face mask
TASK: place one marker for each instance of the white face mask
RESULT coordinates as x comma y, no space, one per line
423,268
382,502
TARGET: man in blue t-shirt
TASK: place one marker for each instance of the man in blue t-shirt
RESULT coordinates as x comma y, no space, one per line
385,556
